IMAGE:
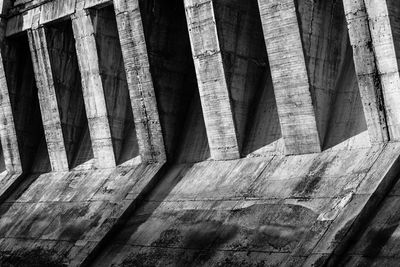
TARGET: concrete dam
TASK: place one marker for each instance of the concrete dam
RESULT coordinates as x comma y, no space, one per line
199,133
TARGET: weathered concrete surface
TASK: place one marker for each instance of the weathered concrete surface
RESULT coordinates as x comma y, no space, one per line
383,26
276,211
116,92
136,67
174,80
248,76
25,106
333,80
10,160
93,90
8,136
318,59
237,49
212,82
68,87
290,77
48,100
140,83
378,241
280,210
367,71
59,218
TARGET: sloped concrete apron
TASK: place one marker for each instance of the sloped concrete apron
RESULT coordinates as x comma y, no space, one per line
59,218
276,211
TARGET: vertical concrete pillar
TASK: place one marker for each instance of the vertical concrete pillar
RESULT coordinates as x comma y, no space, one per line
384,32
8,135
289,76
366,70
93,92
47,99
213,88
140,84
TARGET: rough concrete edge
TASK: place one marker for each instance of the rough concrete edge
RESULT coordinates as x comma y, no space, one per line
120,222
366,214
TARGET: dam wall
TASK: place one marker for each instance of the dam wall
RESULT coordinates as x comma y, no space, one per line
199,132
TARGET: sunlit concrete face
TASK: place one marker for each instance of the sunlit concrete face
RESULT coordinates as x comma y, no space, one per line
199,133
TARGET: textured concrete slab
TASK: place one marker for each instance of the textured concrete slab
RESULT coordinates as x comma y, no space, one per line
75,210
296,209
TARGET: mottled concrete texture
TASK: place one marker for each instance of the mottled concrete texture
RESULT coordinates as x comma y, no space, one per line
199,133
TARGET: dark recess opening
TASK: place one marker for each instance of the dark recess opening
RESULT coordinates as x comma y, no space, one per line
115,85
25,105
67,82
174,79
248,75
329,60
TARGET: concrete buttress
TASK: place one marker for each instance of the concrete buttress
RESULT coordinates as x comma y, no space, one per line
289,76
367,72
140,83
383,27
211,79
93,93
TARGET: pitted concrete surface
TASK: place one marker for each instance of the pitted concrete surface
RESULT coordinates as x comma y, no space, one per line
277,211
199,133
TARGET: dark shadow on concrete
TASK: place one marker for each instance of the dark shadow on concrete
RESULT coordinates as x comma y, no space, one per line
329,61
67,82
124,220
174,80
374,237
247,73
21,184
347,119
112,71
25,105
367,232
